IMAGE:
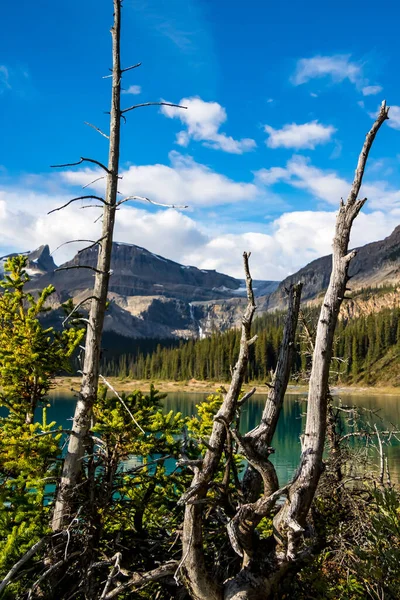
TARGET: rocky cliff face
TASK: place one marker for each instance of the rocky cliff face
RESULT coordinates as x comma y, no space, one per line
138,272
151,296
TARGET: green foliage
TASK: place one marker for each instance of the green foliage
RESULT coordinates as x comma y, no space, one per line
362,556
30,355
368,348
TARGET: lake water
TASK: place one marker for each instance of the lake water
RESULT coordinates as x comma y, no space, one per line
286,441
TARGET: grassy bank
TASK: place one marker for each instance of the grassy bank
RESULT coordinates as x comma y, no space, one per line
66,384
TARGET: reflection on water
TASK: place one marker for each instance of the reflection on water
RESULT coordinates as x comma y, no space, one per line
286,441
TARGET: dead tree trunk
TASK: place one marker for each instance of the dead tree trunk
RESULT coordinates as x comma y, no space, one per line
261,574
90,378
256,445
90,374
290,521
198,580
260,438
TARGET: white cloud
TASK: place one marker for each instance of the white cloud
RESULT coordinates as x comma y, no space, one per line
371,90
327,185
203,121
183,182
394,117
338,67
272,175
133,89
300,173
290,241
307,135
296,239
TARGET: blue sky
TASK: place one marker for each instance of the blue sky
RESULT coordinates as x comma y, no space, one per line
279,96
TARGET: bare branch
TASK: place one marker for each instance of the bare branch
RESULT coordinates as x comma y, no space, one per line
79,267
132,67
247,396
91,206
92,245
97,129
123,70
91,160
50,570
144,199
77,307
151,104
75,200
70,242
142,579
122,402
383,115
91,183
116,568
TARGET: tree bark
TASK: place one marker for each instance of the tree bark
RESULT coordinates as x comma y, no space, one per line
90,379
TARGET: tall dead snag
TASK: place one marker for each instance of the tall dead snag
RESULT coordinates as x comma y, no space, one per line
90,376
198,580
260,474
291,520
90,379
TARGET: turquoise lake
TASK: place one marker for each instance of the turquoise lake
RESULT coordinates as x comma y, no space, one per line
286,441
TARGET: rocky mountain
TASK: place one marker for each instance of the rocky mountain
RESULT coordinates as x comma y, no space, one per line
152,296
40,262
375,265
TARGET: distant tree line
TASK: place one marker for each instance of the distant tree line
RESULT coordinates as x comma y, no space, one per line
359,344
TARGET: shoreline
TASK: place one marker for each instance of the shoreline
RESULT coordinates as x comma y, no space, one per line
66,384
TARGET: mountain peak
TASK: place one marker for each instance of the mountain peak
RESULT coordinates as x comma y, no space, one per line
40,261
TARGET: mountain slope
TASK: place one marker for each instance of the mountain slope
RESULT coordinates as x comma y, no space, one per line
375,264
152,296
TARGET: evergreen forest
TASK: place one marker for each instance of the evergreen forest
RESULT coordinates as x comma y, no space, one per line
366,349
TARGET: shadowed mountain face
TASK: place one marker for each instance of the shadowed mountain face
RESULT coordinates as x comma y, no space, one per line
152,296
375,264
138,272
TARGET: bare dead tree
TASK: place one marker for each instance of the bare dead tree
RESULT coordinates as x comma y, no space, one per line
260,474
90,376
198,580
260,575
290,521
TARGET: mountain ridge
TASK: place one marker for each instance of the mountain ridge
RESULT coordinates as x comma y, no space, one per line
152,296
